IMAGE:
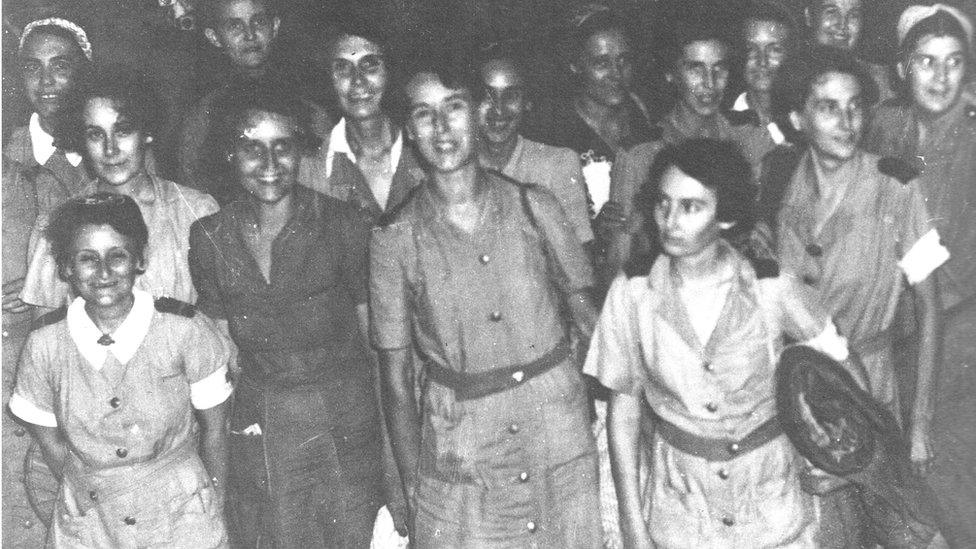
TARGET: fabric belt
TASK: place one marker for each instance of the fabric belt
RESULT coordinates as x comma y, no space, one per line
717,449
469,386
92,488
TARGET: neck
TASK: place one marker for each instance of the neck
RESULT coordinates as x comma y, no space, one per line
828,165
460,186
133,187
496,155
46,125
704,265
761,101
596,110
272,216
252,72
374,132
109,318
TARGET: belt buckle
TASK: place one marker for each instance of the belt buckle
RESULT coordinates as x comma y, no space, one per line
518,376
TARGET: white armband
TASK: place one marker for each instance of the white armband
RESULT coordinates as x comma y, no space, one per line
830,343
925,256
211,390
30,412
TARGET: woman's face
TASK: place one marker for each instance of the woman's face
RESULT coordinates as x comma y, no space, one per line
116,148
833,116
359,76
686,215
606,67
936,70
103,266
49,66
267,155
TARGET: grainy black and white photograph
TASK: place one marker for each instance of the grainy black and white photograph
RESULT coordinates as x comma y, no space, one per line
411,274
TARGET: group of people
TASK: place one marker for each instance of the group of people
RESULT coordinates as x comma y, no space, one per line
454,309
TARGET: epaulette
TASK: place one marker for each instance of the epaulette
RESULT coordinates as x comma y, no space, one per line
387,218
742,118
175,306
507,178
897,168
47,319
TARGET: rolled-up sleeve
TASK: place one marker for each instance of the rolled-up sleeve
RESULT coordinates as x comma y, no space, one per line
575,272
206,357
922,249
201,257
569,188
388,287
615,358
34,393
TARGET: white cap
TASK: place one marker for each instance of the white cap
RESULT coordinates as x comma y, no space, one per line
914,15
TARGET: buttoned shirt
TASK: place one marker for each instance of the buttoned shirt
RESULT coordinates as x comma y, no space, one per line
168,210
755,139
300,325
67,174
723,388
946,161
557,169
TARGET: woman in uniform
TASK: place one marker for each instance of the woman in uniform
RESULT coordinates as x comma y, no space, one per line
111,118
695,333
117,387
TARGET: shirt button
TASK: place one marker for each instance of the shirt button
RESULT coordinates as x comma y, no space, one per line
734,448
93,495
115,402
814,250
723,474
484,259
121,452
6,333
129,520
20,431
708,366
809,280
728,521
523,477
513,428
531,526
28,524
711,407
495,316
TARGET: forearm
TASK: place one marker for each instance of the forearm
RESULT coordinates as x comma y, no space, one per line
400,409
584,313
623,432
213,441
930,336
53,448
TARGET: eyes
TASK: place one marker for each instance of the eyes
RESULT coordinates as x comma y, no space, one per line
832,15
930,62
834,108
123,128
607,62
665,205
261,22
774,51
249,148
115,258
453,107
60,67
369,65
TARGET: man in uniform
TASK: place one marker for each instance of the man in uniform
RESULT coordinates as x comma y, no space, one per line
936,134
482,275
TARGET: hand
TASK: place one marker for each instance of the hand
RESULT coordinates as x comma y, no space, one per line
11,299
611,219
921,452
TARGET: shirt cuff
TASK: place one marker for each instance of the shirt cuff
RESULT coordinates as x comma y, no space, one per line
925,256
31,413
830,343
211,390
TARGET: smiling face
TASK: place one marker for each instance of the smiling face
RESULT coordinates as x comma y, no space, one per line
244,30
686,215
441,122
267,155
703,73
49,66
501,111
766,43
836,23
833,116
606,67
115,148
935,71
102,267
359,76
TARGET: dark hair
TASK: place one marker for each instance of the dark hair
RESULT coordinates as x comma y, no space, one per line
453,62
939,24
60,32
716,164
687,30
573,43
230,112
513,52
794,80
774,13
118,211
131,94
210,11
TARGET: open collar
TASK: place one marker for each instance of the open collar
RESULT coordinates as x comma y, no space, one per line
42,144
338,144
127,337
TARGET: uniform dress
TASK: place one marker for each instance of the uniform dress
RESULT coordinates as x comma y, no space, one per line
33,148
305,432
168,210
133,477
515,468
946,160
645,346
857,256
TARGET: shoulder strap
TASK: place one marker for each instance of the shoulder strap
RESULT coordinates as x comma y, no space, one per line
47,319
175,306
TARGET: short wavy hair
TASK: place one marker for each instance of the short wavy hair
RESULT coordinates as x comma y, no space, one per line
131,92
118,211
794,80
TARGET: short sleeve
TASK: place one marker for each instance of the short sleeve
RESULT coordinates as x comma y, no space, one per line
921,249
42,285
630,171
570,190
34,393
205,361
615,357
797,307
567,251
388,287
356,236
202,259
